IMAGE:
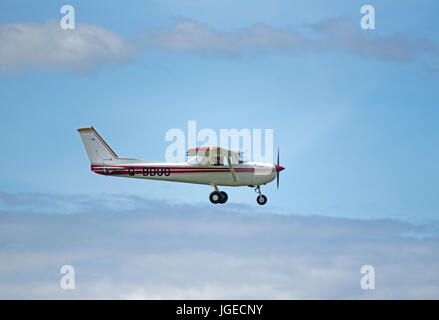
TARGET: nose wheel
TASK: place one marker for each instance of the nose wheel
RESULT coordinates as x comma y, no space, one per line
218,197
261,199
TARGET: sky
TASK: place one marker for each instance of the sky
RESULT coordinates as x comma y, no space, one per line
125,247
353,113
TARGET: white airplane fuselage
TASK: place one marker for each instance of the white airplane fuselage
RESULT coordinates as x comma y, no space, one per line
248,173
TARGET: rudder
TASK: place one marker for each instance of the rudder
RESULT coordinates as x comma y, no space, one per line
98,150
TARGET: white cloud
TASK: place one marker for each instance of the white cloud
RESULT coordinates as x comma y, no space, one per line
333,35
47,46
345,36
87,48
193,37
156,250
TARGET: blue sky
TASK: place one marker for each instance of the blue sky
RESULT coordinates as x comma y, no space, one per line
354,111
357,133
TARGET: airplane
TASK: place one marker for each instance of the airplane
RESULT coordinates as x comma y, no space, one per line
206,165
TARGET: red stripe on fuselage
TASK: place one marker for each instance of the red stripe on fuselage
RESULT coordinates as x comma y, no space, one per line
107,170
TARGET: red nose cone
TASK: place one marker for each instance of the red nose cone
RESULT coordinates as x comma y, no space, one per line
279,168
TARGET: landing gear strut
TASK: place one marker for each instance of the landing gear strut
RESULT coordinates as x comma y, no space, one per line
261,199
218,196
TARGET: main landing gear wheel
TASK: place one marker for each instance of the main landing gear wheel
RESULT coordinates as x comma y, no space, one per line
261,199
224,197
218,197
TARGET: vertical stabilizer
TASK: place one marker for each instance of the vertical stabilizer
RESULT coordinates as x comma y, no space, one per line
98,150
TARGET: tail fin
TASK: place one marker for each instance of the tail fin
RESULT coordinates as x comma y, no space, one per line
97,149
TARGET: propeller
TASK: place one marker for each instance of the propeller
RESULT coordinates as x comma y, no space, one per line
279,168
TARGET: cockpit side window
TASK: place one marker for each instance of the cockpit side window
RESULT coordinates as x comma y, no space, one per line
241,158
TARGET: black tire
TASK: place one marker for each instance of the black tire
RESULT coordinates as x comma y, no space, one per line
215,197
224,197
261,199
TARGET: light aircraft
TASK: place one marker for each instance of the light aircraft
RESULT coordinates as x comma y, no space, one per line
206,165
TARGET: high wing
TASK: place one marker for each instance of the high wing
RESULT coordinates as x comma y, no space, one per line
213,155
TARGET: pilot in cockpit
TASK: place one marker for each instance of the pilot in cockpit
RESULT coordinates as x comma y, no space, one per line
218,161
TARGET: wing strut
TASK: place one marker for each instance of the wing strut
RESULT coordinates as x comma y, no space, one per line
232,170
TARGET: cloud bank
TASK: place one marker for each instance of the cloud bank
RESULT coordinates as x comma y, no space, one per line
331,35
47,46
127,247
88,47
